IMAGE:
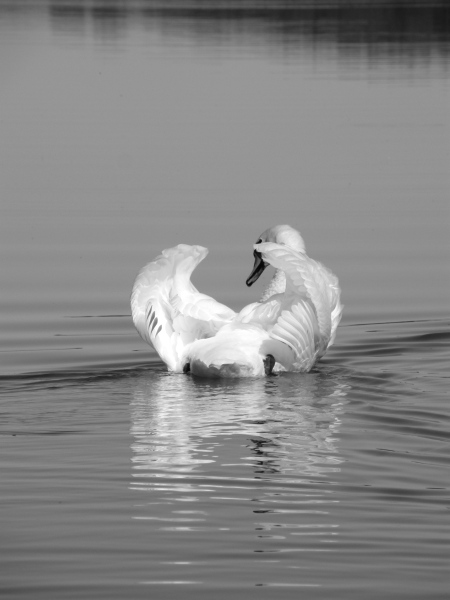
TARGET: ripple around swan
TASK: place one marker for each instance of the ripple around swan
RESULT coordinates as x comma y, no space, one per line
285,481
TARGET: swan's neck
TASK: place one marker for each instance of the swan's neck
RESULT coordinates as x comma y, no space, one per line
276,286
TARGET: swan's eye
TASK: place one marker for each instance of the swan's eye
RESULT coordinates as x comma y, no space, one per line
259,241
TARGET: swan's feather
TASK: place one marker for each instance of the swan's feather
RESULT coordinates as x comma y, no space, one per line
265,313
297,328
168,311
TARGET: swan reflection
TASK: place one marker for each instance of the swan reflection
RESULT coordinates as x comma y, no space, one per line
284,426
238,466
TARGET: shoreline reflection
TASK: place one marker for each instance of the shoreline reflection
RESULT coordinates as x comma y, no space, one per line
402,32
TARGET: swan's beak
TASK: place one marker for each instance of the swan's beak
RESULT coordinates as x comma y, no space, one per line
258,268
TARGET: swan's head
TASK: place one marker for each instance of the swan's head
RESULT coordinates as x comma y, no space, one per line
280,234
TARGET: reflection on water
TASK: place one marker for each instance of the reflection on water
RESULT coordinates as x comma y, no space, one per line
290,428
394,30
254,458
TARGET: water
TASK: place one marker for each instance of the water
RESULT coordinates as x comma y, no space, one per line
127,128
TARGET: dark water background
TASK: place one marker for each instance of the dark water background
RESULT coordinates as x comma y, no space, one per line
128,127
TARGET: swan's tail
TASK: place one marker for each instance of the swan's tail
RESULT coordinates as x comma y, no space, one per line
226,371
238,350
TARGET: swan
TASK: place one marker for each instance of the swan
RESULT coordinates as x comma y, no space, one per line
289,329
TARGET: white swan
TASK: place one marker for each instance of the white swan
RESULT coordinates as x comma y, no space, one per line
288,330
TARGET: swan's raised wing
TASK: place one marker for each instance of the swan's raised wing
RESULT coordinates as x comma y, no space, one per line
168,311
305,321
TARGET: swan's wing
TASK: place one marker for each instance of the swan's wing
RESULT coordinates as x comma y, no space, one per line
305,321
297,328
334,293
168,311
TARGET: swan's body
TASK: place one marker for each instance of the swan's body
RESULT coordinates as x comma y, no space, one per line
288,330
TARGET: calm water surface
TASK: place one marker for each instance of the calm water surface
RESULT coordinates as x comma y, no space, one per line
130,127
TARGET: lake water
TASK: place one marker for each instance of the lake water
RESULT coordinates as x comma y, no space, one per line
129,127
